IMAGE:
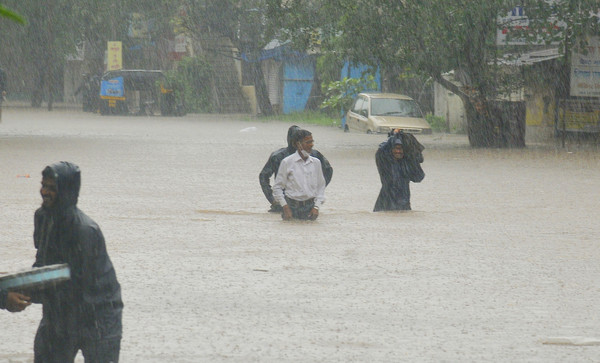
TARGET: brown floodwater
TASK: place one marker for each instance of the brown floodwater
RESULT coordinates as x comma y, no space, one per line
497,261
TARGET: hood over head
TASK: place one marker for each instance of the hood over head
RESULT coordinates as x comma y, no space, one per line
290,136
68,181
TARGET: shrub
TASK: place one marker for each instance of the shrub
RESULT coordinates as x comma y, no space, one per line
340,94
191,82
437,123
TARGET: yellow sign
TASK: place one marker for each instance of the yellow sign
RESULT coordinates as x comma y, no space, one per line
115,56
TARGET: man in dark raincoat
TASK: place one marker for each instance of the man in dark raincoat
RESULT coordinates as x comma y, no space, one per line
85,312
398,161
272,165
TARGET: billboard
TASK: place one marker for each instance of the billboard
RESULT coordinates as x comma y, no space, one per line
513,28
112,89
585,69
114,56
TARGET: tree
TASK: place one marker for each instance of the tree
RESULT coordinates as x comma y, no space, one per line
56,29
243,23
431,38
340,94
44,45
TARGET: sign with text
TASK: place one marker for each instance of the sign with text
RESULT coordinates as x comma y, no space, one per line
112,89
585,69
514,28
115,56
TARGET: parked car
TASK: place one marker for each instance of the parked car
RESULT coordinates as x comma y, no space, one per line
383,112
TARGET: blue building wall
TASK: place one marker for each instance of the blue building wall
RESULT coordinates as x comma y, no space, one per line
298,78
357,70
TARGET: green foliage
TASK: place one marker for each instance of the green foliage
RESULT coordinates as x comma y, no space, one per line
433,38
7,13
437,123
340,94
328,67
243,22
191,80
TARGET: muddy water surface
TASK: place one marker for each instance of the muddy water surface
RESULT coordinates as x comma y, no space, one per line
498,257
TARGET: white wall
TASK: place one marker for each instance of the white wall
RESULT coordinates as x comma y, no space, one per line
449,106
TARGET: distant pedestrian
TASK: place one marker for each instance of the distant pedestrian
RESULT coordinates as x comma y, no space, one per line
398,162
83,313
272,165
300,185
2,89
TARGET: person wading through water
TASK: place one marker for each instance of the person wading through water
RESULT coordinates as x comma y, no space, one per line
272,165
398,162
300,185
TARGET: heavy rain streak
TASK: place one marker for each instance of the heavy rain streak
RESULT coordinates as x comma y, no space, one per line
172,109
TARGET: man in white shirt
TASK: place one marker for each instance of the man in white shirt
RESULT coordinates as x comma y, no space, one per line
300,185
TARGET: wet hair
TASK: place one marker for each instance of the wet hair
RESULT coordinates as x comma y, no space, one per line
290,135
300,135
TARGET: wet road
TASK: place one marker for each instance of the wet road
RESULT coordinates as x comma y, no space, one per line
498,257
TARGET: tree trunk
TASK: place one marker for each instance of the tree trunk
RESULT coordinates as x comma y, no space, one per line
260,87
482,128
498,124
50,61
50,97
490,123
37,95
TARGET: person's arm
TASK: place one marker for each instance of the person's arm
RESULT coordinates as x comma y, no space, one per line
264,180
320,198
280,183
414,171
90,265
321,184
13,301
383,163
95,280
325,166
279,187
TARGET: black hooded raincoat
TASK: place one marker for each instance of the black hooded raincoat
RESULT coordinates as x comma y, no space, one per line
3,296
89,305
395,174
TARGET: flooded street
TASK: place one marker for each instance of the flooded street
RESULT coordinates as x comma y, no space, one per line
497,259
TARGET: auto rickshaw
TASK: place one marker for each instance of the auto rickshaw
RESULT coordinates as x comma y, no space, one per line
138,92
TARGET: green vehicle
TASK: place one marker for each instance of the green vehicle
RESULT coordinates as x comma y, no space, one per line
138,92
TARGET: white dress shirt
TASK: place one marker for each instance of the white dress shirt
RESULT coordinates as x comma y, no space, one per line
301,180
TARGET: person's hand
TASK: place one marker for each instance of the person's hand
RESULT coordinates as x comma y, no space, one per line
16,302
313,214
287,212
275,208
394,132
